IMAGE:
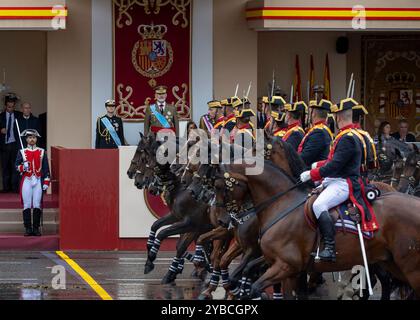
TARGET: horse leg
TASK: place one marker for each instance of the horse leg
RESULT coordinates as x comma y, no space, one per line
214,234
274,275
215,275
177,228
181,247
231,253
219,234
164,221
231,285
250,269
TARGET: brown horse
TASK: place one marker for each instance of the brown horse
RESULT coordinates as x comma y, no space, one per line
288,242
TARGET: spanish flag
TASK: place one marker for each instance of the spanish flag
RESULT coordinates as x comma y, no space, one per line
327,80
297,94
311,79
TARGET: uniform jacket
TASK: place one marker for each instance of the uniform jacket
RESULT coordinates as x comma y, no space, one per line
103,138
315,146
152,124
38,164
294,135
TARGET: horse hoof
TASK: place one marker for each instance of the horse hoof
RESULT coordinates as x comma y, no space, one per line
204,296
148,267
168,278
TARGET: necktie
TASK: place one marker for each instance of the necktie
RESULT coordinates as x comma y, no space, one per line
9,126
161,108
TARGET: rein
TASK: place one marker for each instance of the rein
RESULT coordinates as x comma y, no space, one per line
265,204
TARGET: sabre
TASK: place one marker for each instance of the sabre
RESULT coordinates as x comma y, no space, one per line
291,95
349,88
249,89
352,88
362,246
20,140
236,91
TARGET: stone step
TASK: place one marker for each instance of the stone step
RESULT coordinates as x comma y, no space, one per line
13,242
16,227
8,215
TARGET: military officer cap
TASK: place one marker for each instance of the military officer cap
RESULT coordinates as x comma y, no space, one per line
110,103
278,116
296,107
361,107
214,104
30,132
323,104
161,89
226,102
10,97
345,104
275,101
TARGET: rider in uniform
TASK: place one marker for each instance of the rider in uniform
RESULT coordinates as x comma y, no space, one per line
294,131
32,164
229,120
277,106
340,175
370,159
208,121
161,115
315,146
243,114
109,129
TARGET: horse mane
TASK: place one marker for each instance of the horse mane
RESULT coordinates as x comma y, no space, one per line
296,164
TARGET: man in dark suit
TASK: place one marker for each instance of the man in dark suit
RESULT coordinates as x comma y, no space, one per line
28,121
261,115
9,142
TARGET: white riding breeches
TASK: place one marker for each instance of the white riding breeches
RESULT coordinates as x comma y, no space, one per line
31,192
336,191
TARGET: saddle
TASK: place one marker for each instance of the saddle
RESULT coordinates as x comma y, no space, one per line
345,216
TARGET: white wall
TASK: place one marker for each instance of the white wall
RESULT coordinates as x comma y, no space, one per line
102,63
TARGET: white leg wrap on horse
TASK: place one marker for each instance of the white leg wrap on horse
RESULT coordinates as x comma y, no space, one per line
336,191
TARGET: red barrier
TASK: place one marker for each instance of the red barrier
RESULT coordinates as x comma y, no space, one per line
88,182
88,199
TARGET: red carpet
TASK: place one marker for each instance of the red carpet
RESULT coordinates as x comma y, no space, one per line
12,201
19,242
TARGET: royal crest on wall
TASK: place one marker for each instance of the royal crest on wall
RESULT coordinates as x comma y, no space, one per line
391,80
152,47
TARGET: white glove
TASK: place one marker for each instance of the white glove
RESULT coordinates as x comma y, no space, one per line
305,176
314,165
44,187
26,166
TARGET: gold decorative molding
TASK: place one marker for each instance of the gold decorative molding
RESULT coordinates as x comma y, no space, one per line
152,6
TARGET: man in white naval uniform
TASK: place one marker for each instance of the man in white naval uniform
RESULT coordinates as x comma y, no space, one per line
32,164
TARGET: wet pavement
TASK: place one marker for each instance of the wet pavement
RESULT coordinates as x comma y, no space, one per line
29,276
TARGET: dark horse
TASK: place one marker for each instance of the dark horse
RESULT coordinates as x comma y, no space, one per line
287,241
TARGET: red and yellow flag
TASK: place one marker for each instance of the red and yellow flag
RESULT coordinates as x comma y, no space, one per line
311,79
327,80
297,83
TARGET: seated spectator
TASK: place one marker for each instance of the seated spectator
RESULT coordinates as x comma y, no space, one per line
384,134
403,135
28,120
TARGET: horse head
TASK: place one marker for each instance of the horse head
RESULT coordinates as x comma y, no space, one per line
410,176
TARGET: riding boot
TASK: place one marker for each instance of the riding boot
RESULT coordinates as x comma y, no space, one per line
37,222
27,222
327,228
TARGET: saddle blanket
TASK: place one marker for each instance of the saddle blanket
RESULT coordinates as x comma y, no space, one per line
343,224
